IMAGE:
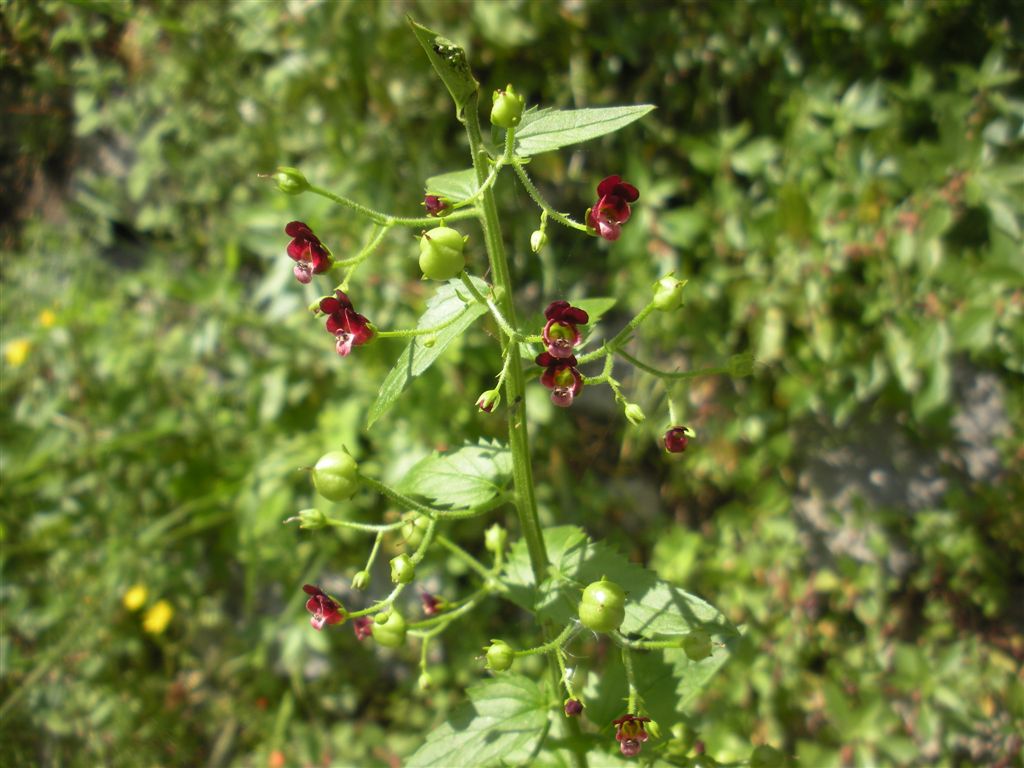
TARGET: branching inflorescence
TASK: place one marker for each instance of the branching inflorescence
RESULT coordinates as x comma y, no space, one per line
604,606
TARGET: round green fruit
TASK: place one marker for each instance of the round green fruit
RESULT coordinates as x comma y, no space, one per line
402,569
414,529
603,606
336,476
391,633
441,253
697,645
499,656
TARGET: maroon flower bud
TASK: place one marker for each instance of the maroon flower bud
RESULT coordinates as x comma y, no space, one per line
612,209
363,627
311,257
573,707
631,734
349,328
560,334
676,439
325,609
561,377
435,205
432,603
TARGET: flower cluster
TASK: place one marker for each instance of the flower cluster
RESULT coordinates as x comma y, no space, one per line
311,257
561,336
611,210
349,327
630,733
325,609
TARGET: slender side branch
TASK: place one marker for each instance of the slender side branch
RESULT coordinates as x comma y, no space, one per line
534,193
613,344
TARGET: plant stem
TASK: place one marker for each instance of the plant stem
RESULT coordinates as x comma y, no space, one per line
515,388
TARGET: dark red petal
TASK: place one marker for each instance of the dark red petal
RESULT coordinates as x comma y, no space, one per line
335,323
309,589
544,359
548,378
330,305
628,191
556,309
299,249
343,299
607,185
576,315
577,386
358,326
613,207
297,229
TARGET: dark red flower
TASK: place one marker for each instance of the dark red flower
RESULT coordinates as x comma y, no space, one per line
573,707
432,603
435,205
560,334
676,439
349,327
561,377
630,733
311,256
363,627
325,609
611,210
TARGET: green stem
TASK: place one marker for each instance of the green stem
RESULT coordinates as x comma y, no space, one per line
677,375
647,645
627,662
515,387
465,557
435,625
406,333
551,645
613,344
384,219
545,206
499,318
364,527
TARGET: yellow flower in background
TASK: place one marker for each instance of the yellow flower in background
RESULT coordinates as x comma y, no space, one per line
17,351
47,318
158,617
135,597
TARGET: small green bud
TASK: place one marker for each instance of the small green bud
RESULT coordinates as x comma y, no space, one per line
635,414
290,180
336,476
494,538
310,519
741,365
361,580
538,240
488,400
413,529
402,569
391,632
499,656
441,253
382,617
425,682
697,645
668,293
508,108
765,756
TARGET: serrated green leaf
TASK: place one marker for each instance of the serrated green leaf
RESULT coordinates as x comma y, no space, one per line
448,303
466,477
543,130
456,186
501,724
653,607
666,680
450,63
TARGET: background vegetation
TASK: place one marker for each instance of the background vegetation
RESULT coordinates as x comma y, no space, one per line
840,182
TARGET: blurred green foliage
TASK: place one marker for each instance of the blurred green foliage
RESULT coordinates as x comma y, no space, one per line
842,185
